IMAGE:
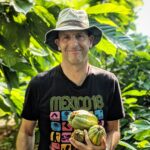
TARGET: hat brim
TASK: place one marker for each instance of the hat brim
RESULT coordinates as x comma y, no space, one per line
51,35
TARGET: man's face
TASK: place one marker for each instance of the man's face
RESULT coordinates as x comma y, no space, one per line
74,46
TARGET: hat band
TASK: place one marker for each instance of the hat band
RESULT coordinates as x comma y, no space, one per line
72,23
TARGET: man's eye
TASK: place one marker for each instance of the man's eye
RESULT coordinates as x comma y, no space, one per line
66,37
80,36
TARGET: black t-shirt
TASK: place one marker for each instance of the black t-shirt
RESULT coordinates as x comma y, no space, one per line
51,96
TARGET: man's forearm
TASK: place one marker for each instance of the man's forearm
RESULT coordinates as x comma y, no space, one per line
25,142
113,138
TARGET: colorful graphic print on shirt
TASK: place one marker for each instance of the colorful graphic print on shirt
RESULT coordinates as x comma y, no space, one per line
60,108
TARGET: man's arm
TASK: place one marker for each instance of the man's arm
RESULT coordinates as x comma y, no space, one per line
113,134
25,139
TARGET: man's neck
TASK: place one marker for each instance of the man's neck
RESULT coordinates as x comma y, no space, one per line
76,73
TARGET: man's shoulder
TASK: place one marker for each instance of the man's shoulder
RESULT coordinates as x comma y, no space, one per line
49,73
99,72
46,75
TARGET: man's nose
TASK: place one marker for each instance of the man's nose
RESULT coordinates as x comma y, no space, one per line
74,39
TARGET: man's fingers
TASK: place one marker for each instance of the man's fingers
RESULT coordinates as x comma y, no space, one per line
73,142
87,140
103,143
82,146
76,143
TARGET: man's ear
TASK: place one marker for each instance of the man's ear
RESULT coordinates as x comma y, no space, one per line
91,38
57,43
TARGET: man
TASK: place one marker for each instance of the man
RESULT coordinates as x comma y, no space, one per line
72,85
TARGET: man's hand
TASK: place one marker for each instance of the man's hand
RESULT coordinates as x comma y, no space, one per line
88,145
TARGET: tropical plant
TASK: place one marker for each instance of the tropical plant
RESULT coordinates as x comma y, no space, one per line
23,54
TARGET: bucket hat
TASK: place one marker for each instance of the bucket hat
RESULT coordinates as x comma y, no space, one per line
71,19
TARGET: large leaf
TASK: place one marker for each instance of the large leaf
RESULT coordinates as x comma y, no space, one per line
94,60
11,77
36,49
141,125
11,33
142,54
135,93
77,4
139,128
142,135
25,68
118,38
9,58
17,97
22,5
108,8
38,28
130,100
105,20
144,144
3,104
128,87
45,15
106,46
128,146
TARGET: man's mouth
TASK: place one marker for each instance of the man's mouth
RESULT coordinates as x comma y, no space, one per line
73,50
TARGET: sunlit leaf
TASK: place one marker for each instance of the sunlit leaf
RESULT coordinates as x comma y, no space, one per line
135,93
105,20
128,87
3,113
45,15
143,144
36,49
17,97
130,100
106,46
108,8
20,18
77,4
142,54
37,27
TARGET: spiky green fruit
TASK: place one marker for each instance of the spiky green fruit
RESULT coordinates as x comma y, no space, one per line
95,134
82,119
78,135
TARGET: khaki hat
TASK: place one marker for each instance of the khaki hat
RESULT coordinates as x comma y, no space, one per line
71,19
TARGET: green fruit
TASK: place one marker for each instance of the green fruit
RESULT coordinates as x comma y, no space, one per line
78,135
95,134
82,119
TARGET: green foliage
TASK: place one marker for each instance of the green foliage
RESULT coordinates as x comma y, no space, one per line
23,54
108,8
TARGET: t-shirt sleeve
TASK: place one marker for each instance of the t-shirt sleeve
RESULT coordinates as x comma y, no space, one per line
115,107
30,107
